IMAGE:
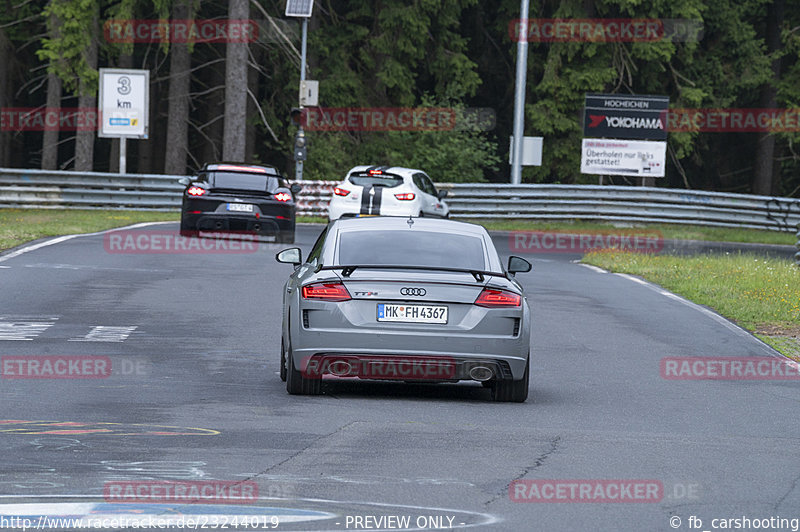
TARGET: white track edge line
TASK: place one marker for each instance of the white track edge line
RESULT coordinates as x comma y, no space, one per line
592,267
59,239
707,311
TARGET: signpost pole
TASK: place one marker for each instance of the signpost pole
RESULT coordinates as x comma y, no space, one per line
123,102
519,94
123,155
298,169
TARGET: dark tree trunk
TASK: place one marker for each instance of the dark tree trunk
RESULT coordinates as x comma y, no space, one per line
84,140
233,143
765,146
147,147
253,78
5,61
178,113
214,104
50,136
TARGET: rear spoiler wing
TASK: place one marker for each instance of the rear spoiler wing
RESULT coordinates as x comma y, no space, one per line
347,270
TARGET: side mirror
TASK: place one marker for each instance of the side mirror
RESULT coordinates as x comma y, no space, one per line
518,265
185,181
290,256
442,194
296,188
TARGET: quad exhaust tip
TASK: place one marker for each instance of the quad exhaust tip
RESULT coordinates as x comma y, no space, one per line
481,373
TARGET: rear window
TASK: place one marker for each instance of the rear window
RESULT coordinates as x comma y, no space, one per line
411,248
244,181
367,180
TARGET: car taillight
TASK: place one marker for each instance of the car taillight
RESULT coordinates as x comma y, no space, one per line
375,172
498,299
283,196
405,197
196,191
326,291
341,191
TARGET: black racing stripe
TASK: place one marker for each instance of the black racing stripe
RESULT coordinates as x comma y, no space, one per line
376,201
365,197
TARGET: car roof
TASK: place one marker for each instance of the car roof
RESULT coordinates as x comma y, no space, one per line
396,170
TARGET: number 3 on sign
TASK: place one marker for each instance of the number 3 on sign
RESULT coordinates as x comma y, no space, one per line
124,85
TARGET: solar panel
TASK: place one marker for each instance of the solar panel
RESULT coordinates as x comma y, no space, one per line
299,8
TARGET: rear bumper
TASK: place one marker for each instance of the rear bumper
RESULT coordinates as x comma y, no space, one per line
472,334
340,208
406,368
232,223
457,353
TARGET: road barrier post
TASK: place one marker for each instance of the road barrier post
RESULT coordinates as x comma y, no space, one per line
797,245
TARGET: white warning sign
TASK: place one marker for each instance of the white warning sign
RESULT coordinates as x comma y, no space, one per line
636,158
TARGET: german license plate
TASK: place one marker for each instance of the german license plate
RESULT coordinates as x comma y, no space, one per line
412,313
240,207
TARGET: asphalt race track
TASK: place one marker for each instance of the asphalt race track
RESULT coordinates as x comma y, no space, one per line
192,340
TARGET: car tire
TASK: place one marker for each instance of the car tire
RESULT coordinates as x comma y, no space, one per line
513,391
296,384
286,237
283,361
186,230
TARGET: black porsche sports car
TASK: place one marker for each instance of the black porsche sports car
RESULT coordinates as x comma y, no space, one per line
242,199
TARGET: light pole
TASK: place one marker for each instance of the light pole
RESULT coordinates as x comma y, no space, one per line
519,94
300,139
302,9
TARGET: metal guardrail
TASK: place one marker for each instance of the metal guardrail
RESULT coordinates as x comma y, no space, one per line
58,189
78,190
797,255
623,204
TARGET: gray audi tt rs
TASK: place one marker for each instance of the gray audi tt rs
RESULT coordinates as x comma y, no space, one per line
408,299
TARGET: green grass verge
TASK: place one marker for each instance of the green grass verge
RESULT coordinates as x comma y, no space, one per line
760,294
312,220
18,226
669,231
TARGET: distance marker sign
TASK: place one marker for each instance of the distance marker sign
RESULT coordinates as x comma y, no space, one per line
124,103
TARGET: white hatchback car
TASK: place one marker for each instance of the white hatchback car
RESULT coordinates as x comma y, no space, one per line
387,191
